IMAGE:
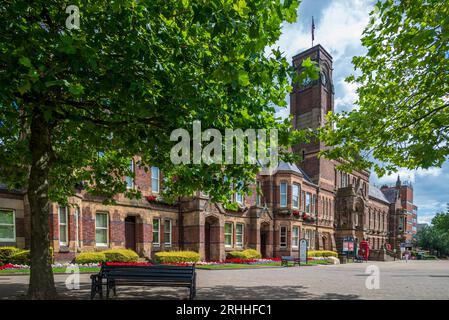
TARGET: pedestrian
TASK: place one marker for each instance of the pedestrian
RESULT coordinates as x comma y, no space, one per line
407,255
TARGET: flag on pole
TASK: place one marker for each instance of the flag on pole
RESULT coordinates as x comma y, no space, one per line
313,30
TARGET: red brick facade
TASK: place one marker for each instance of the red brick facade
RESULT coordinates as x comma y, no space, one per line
332,204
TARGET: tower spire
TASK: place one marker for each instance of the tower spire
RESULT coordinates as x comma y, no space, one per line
398,182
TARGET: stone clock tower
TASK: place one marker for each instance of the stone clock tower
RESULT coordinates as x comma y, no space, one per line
309,104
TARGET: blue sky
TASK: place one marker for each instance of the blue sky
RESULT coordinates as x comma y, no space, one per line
339,26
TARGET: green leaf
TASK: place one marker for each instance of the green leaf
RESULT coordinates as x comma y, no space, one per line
243,78
25,62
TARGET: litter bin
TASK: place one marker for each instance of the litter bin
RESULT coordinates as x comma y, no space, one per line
343,258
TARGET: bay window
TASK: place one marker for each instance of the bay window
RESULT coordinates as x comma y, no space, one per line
295,196
283,194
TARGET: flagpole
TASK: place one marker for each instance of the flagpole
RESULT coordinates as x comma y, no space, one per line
313,30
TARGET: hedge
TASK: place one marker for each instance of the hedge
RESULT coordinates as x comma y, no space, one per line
322,253
23,257
245,254
6,253
120,255
90,257
176,256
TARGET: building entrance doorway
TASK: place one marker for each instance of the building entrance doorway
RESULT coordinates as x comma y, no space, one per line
264,232
212,239
130,233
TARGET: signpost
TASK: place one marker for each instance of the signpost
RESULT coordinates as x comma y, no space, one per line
348,246
302,251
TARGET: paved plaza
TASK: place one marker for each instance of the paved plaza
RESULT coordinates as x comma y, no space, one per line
398,280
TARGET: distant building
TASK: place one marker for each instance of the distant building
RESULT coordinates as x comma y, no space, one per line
405,215
421,226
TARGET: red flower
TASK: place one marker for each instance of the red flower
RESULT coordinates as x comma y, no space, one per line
295,212
7,266
121,264
151,198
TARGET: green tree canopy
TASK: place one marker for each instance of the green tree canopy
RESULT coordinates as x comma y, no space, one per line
436,236
402,113
119,85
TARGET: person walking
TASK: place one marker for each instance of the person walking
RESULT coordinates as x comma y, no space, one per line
406,255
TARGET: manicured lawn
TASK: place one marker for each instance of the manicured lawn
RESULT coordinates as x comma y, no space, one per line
252,266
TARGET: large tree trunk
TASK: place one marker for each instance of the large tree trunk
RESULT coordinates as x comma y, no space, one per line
42,284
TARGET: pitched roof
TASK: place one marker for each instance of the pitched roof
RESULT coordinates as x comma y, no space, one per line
291,167
375,193
391,194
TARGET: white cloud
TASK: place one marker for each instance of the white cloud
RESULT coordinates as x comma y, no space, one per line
425,219
340,28
409,175
342,25
347,97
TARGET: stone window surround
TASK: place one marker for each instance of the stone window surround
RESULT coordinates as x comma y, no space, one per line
242,234
14,225
283,244
66,225
231,234
169,232
155,179
102,228
158,243
130,183
297,196
295,238
283,204
78,221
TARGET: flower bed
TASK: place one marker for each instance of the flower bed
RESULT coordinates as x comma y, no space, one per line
227,261
10,266
121,264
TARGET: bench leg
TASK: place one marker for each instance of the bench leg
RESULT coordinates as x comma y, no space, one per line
93,289
96,287
108,288
192,293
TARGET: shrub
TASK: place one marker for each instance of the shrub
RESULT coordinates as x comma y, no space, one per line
252,254
245,254
90,257
322,253
176,256
6,253
429,257
236,255
23,257
120,255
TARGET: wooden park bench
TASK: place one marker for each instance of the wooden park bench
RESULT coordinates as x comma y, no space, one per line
286,259
112,276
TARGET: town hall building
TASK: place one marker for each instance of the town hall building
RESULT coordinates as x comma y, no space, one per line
310,199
